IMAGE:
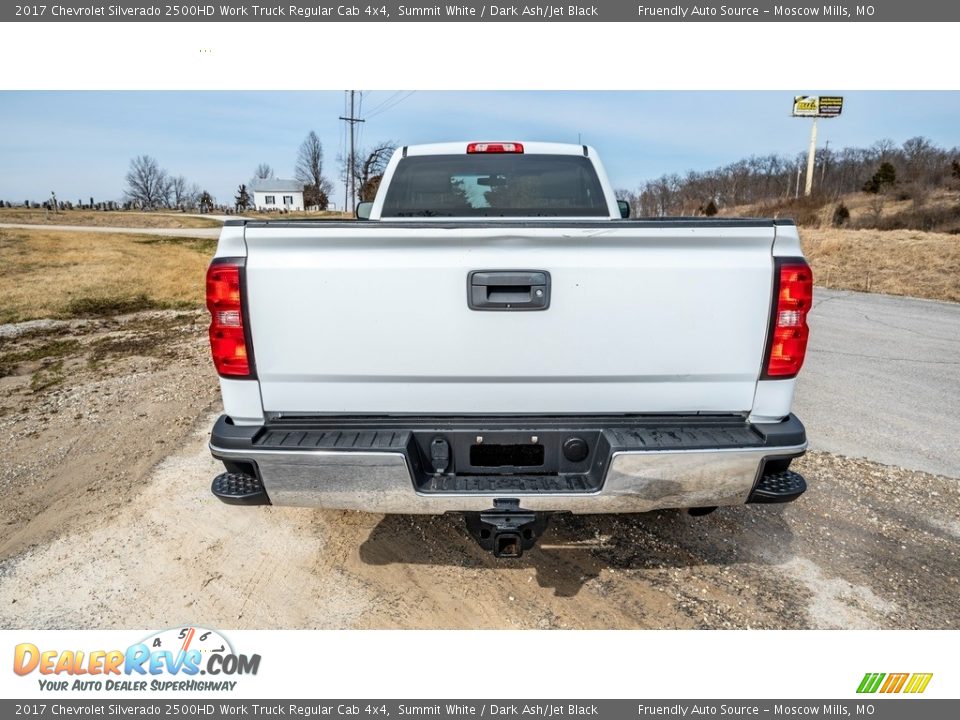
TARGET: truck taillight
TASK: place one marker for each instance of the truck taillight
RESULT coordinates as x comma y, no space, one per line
228,340
787,337
491,147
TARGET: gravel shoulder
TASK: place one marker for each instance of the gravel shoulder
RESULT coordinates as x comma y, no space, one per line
108,522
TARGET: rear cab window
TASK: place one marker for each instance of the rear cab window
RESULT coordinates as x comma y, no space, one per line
495,185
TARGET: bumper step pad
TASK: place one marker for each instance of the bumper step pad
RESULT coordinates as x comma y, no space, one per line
239,489
778,487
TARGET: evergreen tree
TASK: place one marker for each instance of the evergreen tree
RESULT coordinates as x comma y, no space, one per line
242,200
886,175
841,215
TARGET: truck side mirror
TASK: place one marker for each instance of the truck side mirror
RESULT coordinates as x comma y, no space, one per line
363,210
624,209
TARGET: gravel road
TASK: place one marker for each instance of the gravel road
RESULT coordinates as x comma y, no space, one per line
105,476
213,232
882,380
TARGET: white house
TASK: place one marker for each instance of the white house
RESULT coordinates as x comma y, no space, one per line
276,194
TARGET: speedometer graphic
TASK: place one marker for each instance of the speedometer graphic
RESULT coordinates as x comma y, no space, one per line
183,639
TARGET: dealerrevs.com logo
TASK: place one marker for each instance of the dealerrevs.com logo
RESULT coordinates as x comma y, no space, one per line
168,660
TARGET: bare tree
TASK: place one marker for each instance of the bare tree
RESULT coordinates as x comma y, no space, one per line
920,158
875,206
147,183
263,172
309,171
883,149
179,192
192,198
369,166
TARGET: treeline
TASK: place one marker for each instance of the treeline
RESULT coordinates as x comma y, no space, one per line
911,170
149,186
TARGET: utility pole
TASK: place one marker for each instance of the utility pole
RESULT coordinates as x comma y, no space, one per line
811,159
351,181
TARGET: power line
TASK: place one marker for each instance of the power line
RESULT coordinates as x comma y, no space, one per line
377,107
388,105
394,103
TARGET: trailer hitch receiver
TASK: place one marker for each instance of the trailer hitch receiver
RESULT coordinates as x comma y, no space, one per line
506,530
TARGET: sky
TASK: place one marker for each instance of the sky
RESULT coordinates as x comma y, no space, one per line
80,143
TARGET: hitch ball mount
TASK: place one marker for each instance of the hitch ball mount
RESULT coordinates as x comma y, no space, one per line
506,530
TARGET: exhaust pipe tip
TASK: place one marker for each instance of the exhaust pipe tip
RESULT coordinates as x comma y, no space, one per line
700,511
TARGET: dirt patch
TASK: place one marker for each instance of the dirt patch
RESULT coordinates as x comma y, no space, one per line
86,414
53,274
10,361
106,218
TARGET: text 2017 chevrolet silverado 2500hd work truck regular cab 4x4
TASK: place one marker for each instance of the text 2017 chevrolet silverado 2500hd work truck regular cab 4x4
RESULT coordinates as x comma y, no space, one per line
497,340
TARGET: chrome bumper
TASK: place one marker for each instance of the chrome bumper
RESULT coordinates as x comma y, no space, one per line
382,482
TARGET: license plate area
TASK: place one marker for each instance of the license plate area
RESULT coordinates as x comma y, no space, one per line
495,455
502,452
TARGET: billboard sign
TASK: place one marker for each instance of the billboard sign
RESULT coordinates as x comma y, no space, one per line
824,106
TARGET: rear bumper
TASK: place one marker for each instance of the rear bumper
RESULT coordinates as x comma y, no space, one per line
634,463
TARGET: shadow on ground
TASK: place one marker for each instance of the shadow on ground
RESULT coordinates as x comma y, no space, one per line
592,543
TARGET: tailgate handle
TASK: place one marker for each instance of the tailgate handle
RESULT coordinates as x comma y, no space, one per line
508,290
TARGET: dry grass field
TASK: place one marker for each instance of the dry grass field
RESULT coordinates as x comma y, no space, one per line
867,210
105,218
859,256
896,262
50,274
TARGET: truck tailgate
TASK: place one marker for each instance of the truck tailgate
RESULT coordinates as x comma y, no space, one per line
374,318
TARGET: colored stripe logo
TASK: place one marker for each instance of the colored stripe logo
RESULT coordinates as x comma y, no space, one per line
913,683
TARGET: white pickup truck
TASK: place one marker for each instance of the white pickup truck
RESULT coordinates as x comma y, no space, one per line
494,337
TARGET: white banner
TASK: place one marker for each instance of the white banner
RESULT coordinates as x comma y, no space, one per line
457,664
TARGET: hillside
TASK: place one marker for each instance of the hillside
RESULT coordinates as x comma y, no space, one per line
889,244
